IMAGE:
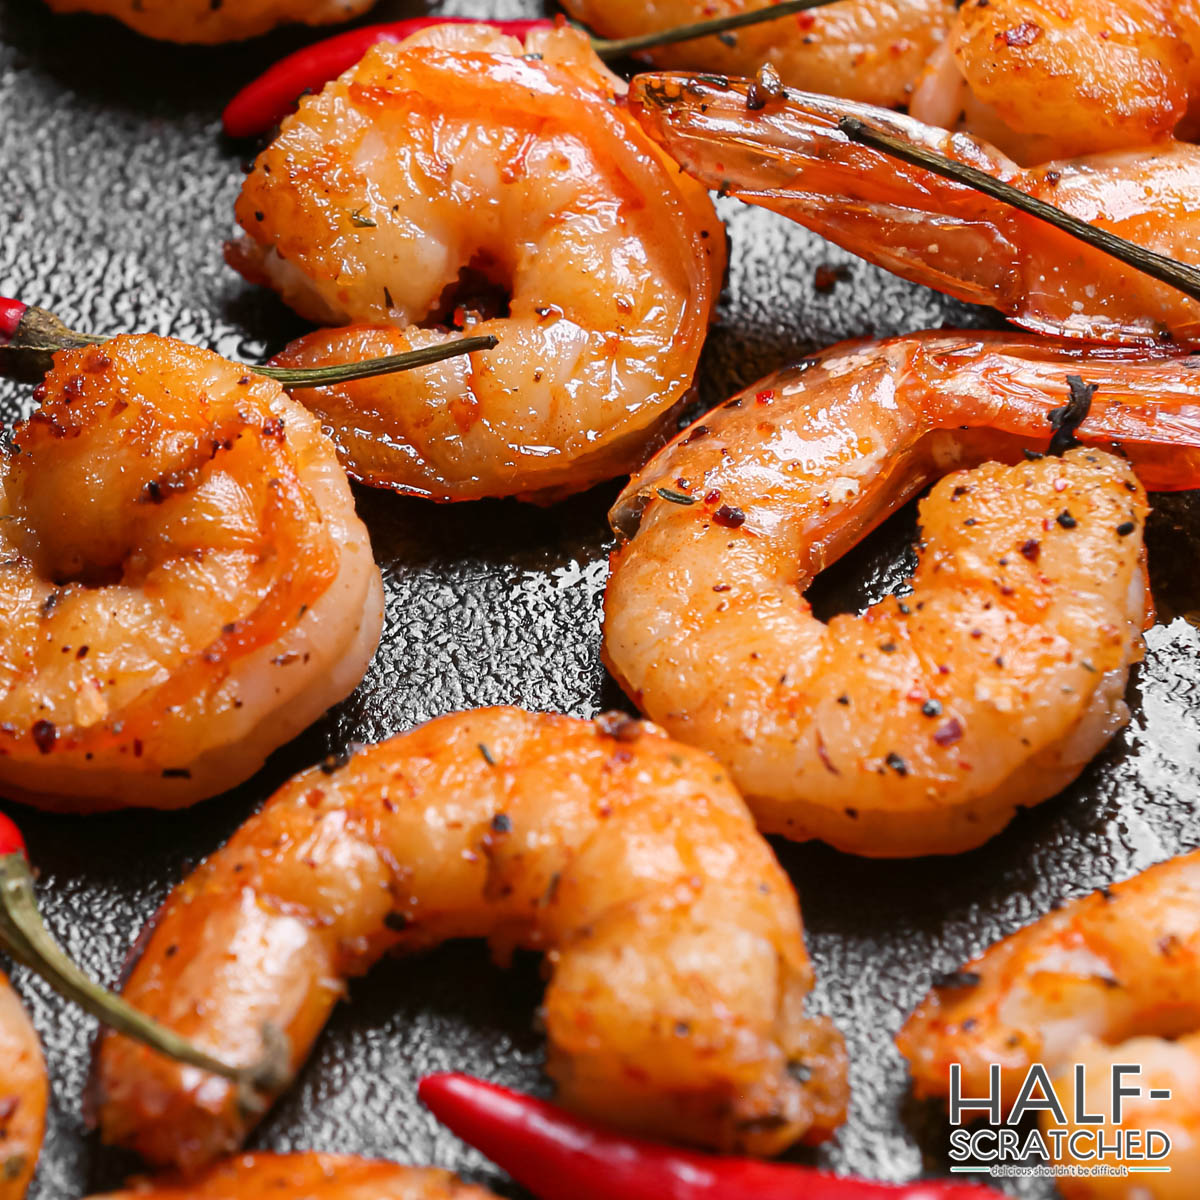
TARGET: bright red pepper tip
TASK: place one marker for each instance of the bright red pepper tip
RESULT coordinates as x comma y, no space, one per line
11,312
11,841
558,1156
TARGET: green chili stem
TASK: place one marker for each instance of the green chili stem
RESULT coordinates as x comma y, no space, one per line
1183,278
24,935
619,47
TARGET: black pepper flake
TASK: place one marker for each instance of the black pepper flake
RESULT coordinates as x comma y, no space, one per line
1065,519
44,735
397,922
1030,549
931,708
956,979
730,516
334,762
844,700
1125,528
897,764
888,647
487,754
82,652
502,823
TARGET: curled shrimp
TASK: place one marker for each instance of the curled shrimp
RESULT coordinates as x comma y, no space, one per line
1044,81
184,581
306,1177
24,1092
210,21
792,158
461,159
1113,977
676,1003
922,725
867,50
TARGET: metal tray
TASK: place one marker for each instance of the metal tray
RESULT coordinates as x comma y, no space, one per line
117,191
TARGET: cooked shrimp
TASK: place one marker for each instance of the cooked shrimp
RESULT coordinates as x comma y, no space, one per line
676,1004
791,157
868,50
306,1177
212,21
184,581
1056,80
922,725
457,156
23,1095
1113,977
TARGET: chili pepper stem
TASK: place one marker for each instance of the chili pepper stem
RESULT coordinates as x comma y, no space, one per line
25,937
38,334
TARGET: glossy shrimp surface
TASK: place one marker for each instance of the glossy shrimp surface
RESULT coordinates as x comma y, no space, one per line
461,162
1058,79
868,50
920,726
184,581
306,1177
792,158
24,1092
1111,978
678,967
212,21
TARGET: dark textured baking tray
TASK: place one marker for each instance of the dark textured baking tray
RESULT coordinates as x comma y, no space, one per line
116,190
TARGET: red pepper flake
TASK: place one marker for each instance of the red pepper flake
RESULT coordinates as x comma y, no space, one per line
764,397
712,497
1024,34
949,732
730,516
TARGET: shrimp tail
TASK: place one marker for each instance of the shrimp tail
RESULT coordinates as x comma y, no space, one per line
792,158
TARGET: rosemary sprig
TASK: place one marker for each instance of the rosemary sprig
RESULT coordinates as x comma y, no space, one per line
1183,278
38,334
608,48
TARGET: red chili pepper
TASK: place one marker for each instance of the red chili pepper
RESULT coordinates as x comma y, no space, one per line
264,103
11,841
11,312
559,1157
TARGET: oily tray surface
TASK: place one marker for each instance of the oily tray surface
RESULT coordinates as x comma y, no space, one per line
117,192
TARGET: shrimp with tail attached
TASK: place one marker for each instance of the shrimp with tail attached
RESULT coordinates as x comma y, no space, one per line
184,581
211,21
306,1177
462,177
679,973
791,157
1111,978
24,1093
920,726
